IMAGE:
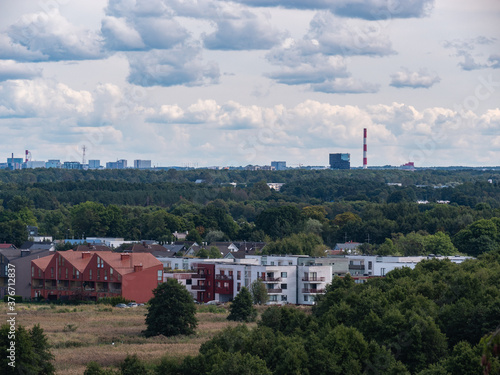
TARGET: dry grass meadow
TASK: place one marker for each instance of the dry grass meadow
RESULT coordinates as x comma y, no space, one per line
80,334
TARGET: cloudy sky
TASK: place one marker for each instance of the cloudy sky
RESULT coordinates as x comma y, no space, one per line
215,82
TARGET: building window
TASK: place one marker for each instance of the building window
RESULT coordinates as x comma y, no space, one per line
238,275
370,265
51,272
77,274
39,273
284,297
283,275
160,275
66,272
226,285
273,298
382,271
32,271
176,266
218,284
306,298
90,274
189,281
272,263
98,274
105,274
238,287
284,286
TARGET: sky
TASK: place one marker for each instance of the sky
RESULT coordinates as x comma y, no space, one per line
230,83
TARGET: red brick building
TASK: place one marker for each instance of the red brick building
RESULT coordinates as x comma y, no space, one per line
94,274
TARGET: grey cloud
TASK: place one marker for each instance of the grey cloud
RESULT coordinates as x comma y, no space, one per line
14,51
494,61
334,36
465,49
120,36
51,37
345,86
179,66
364,9
296,69
10,70
243,34
131,30
420,79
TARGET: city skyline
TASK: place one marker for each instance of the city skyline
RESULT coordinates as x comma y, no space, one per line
249,81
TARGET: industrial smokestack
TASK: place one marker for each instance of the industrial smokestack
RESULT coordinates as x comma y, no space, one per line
26,158
365,159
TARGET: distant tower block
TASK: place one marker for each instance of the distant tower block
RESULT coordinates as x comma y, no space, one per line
365,159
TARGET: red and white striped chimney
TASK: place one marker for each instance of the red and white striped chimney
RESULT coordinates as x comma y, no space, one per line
26,158
365,159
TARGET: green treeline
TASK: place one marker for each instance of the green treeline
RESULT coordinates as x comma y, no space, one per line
314,209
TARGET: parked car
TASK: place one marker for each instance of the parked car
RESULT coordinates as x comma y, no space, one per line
122,306
214,302
132,304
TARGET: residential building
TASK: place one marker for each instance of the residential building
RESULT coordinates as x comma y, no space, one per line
91,275
340,161
120,164
53,164
142,164
94,164
21,261
72,165
31,164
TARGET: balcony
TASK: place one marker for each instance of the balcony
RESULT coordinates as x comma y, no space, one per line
356,266
223,277
314,279
198,276
313,291
274,291
198,287
270,279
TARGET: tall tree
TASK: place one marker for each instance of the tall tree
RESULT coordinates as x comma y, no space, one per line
259,292
242,309
171,311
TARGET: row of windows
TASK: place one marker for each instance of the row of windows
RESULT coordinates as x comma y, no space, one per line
76,273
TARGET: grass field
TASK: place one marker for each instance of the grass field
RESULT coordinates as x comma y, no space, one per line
105,334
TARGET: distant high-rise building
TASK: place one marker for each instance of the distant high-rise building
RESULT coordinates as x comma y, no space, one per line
142,164
340,161
94,164
31,164
120,164
72,165
279,165
53,164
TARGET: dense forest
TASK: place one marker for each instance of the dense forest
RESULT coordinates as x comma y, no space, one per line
313,210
